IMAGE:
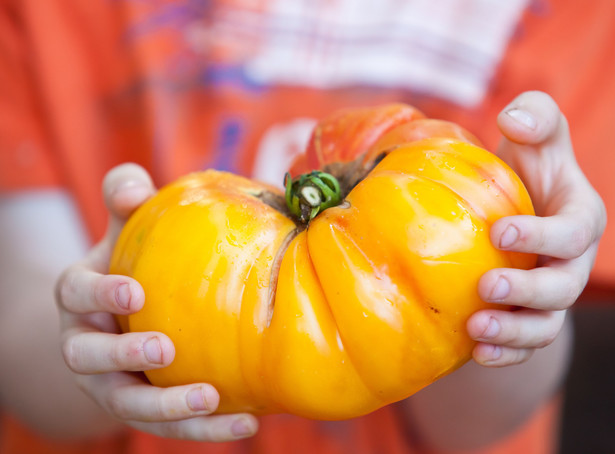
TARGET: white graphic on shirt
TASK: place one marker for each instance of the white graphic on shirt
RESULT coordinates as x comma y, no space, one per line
444,48
279,146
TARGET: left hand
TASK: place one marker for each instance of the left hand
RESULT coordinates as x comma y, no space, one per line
106,363
570,219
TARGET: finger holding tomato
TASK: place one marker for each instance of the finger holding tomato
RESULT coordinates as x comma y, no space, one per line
565,234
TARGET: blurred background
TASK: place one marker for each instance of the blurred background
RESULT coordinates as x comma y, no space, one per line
589,409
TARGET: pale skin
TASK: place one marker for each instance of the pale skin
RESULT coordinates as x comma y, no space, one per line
530,345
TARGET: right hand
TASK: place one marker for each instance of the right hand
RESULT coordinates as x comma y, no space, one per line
106,363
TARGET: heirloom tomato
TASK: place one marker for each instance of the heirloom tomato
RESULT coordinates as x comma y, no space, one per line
350,292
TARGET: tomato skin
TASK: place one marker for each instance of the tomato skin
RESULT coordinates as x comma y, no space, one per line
203,250
362,308
347,133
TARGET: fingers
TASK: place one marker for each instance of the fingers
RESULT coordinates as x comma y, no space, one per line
563,236
151,404
80,290
554,287
128,398
91,352
506,338
174,412
524,328
218,428
87,351
497,356
567,246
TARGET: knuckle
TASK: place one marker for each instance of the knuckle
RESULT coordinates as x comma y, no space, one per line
175,429
215,434
580,238
127,354
116,405
551,333
116,356
102,292
97,295
571,291
540,241
527,291
159,410
515,334
548,338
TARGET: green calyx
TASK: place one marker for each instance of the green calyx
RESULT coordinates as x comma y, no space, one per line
311,193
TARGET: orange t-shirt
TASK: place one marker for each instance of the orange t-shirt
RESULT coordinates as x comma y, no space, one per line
380,432
179,86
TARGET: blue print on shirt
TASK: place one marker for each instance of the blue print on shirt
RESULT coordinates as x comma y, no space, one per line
166,16
228,146
183,69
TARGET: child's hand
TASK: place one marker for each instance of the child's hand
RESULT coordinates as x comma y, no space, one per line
570,220
106,363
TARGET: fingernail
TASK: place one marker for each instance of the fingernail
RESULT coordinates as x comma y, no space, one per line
132,189
509,237
500,290
492,330
152,351
128,185
522,117
197,400
122,296
241,428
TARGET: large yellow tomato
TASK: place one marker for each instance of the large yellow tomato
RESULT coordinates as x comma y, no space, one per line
361,304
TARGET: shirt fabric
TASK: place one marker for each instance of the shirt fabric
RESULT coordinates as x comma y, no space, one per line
236,85
184,85
380,432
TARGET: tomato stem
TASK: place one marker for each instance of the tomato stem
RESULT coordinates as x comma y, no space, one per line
311,193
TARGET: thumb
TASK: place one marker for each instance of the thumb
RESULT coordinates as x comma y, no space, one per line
125,188
533,119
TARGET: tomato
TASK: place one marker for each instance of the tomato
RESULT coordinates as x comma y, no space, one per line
332,313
